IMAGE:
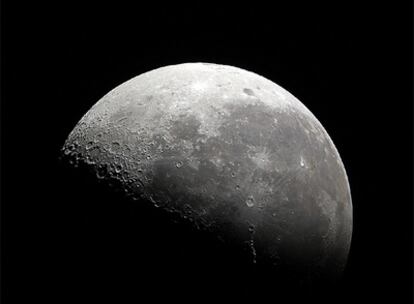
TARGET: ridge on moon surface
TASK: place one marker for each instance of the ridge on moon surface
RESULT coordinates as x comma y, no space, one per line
229,152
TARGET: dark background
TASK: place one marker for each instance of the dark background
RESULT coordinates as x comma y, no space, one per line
350,65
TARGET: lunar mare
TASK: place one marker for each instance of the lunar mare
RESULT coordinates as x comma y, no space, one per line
230,152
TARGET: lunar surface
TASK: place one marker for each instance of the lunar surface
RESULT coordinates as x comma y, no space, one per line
228,152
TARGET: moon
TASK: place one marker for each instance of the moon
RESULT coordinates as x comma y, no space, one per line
228,152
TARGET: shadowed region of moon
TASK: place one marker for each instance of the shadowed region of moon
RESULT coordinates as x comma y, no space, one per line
228,153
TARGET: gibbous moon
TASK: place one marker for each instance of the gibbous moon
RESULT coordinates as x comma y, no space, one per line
229,152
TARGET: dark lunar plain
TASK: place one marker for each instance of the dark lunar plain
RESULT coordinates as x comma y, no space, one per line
67,238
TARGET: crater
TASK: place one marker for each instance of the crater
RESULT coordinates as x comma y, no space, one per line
248,92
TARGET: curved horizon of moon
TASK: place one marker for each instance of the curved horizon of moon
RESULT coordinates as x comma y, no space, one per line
230,152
